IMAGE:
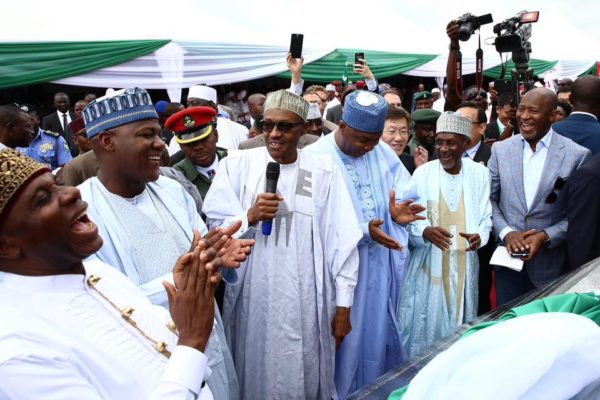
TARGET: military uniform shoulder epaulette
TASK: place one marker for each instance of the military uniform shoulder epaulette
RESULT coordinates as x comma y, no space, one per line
53,134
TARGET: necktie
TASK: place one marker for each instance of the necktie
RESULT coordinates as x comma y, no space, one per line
65,123
211,174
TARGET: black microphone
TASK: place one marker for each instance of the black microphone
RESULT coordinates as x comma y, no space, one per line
272,178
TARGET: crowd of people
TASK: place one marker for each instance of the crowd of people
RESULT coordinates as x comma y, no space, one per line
145,251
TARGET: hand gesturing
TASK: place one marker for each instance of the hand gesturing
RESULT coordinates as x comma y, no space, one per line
405,213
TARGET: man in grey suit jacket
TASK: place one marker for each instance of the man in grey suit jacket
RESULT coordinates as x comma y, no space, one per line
259,141
529,200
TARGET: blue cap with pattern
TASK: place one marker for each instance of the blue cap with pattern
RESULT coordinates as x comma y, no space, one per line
365,111
117,108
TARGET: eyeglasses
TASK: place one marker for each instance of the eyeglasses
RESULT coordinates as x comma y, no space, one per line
282,126
558,185
316,122
399,131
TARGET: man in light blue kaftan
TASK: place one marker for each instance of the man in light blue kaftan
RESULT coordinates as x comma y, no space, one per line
377,180
440,290
146,221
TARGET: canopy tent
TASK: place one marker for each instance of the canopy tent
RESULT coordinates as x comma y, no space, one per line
174,65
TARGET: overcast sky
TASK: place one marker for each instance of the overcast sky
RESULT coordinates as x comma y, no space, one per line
566,29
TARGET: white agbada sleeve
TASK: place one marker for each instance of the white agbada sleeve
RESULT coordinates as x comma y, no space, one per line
222,204
342,236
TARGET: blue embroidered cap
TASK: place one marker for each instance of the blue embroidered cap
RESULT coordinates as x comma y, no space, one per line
365,111
117,108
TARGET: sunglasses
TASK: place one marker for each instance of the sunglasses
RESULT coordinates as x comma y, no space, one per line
558,185
282,126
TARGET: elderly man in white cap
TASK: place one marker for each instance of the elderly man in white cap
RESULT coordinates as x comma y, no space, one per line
230,133
440,290
332,99
292,303
314,120
439,102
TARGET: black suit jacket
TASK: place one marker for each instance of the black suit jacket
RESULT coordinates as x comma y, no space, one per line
409,162
52,123
492,131
583,213
483,154
582,129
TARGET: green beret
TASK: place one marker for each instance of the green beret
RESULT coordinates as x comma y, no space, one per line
425,115
424,95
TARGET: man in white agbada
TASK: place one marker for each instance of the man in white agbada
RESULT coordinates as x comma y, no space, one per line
231,134
440,288
147,220
81,330
292,303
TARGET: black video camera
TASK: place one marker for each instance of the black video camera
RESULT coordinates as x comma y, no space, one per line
514,33
513,37
470,23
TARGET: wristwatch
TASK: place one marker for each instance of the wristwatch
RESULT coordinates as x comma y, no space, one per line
547,238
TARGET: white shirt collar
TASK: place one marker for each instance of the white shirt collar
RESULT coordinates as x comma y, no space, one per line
544,142
472,151
500,124
49,283
585,113
214,166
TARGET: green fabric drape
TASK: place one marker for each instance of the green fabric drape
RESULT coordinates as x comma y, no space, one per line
338,64
30,63
593,70
584,304
539,67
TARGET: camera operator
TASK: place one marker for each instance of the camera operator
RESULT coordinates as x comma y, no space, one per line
471,93
504,126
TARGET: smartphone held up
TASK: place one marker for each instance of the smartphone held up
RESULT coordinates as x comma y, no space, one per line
296,45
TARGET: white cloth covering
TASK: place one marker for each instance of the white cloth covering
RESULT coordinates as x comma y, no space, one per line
60,340
537,356
278,319
231,134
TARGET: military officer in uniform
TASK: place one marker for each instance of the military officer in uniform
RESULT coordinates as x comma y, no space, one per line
195,130
47,147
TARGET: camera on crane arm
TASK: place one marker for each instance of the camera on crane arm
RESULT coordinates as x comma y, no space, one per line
513,36
468,24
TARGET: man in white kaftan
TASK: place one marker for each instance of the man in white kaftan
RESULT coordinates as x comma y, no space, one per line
278,319
146,221
440,290
81,330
